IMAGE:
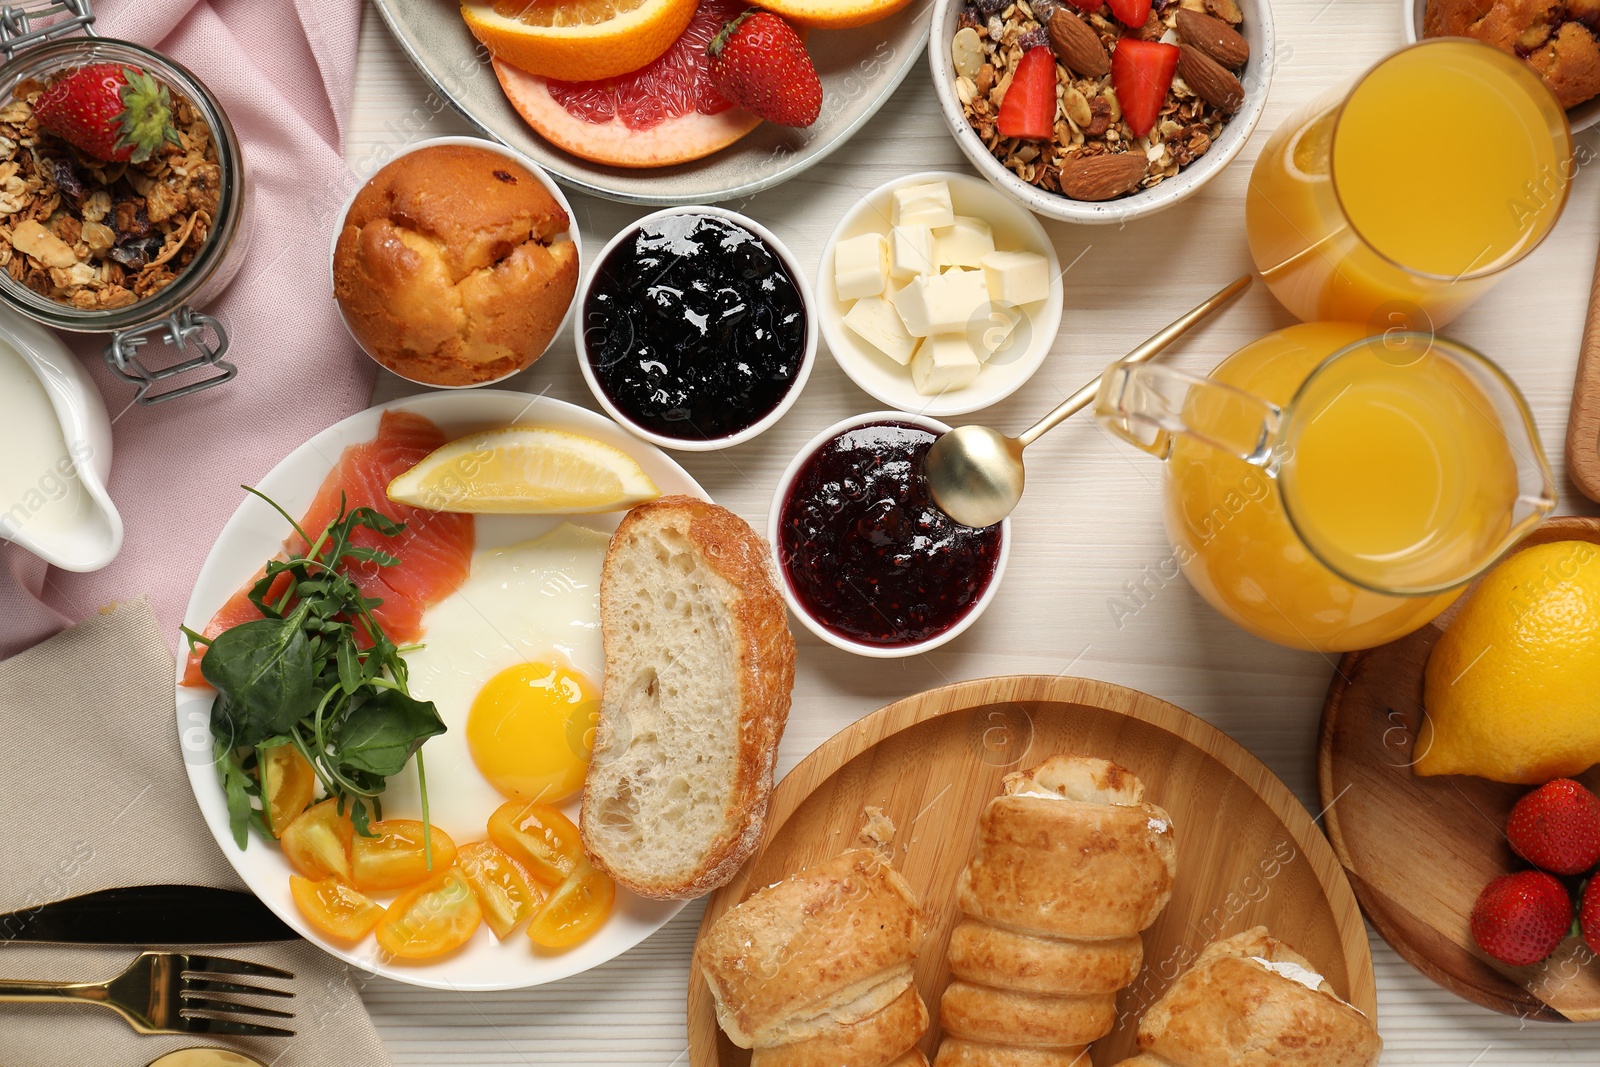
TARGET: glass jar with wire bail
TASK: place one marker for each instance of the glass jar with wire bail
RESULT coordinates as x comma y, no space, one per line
96,245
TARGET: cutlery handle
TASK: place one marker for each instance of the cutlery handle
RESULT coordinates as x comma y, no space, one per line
25,992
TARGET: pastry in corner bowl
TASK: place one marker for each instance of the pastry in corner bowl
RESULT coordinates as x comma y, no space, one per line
1251,999
1072,864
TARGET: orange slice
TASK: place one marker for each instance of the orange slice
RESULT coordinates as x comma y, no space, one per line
578,40
834,14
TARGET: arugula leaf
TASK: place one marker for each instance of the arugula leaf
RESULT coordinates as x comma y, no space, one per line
381,734
238,787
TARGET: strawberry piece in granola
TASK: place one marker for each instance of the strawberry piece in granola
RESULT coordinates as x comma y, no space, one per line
1028,111
1141,73
1134,13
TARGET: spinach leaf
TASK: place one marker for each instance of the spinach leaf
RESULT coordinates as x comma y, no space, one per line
380,734
265,670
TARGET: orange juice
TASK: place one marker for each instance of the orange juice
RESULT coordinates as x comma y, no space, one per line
1394,468
1404,201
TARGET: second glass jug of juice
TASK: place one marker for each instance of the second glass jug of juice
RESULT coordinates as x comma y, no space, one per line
1332,491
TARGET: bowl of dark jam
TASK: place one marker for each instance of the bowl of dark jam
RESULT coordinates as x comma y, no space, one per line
697,328
868,562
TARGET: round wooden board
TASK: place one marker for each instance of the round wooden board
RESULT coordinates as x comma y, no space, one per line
1248,852
1419,850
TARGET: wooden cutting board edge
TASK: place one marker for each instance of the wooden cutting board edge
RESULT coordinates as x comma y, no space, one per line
844,746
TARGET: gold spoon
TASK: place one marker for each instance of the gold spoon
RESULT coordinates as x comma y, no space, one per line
975,473
204,1057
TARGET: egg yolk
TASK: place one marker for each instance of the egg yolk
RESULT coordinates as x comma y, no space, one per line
531,731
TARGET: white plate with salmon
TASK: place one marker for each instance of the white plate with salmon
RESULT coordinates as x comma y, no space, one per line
451,665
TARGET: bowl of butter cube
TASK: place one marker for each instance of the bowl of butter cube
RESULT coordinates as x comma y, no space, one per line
937,294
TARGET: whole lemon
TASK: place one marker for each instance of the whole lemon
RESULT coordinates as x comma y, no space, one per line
1512,689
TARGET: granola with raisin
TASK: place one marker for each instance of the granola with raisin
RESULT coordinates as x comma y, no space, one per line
993,35
100,235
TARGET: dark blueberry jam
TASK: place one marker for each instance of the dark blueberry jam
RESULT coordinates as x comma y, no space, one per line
695,328
867,551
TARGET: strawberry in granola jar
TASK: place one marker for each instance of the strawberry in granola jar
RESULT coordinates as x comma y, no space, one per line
122,203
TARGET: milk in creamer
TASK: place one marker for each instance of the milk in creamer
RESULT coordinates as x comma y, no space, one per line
40,492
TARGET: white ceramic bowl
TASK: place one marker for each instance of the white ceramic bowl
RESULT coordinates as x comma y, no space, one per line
775,516
570,234
1582,117
807,361
1257,76
887,380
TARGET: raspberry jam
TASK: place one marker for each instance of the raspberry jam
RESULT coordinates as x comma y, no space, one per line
694,327
868,552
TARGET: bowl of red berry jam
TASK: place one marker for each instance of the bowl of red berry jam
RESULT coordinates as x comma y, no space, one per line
868,562
697,329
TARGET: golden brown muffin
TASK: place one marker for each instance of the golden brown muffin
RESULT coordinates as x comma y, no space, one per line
453,267
1556,38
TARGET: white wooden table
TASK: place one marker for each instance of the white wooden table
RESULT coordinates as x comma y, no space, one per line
1087,535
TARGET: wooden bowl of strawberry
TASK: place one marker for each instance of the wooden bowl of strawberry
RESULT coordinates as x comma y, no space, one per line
122,204
1101,111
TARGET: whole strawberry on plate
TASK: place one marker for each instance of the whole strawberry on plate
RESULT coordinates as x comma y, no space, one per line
1520,918
759,62
1557,827
110,111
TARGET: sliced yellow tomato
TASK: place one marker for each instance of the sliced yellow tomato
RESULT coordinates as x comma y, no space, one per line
575,910
317,841
436,917
504,890
539,837
333,908
287,784
394,857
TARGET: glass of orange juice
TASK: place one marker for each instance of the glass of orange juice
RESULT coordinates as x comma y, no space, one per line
1331,490
1400,201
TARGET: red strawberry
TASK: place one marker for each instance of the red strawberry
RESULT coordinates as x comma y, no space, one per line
1557,827
1141,73
760,64
1133,13
1028,110
1589,914
109,111
1520,918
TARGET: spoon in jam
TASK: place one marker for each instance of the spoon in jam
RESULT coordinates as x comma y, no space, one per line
975,472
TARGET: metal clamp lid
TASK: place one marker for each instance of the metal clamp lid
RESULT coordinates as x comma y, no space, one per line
18,32
182,328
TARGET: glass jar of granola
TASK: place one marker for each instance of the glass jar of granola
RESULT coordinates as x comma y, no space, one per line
92,241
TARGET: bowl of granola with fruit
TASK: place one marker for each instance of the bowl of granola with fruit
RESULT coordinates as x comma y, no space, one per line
1101,111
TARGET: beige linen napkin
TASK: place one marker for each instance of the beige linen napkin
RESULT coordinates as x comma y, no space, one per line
93,794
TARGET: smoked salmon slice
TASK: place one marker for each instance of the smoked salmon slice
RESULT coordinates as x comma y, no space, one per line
435,548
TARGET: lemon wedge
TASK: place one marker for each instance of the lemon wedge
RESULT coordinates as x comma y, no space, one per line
525,470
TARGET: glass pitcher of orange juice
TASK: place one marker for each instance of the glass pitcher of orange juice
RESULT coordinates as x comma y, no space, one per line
1329,490
1402,200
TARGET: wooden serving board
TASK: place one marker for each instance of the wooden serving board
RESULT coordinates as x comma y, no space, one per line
1419,850
1583,422
1248,852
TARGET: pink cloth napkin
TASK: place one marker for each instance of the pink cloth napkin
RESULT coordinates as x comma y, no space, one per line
284,71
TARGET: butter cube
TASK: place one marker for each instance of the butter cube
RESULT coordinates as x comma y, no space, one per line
964,243
861,266
942,303
922,205
1016,277
942,363
996,335
910,251
875,321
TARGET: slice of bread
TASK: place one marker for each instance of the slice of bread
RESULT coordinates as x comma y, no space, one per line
699,668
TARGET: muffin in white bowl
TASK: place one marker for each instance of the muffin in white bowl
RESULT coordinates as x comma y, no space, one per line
1080,160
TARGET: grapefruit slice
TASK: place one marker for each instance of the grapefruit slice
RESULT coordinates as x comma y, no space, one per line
668,112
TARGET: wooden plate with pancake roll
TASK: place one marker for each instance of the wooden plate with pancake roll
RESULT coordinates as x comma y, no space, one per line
1419,850
1248,852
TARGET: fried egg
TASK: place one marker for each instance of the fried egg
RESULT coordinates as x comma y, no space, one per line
513,661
